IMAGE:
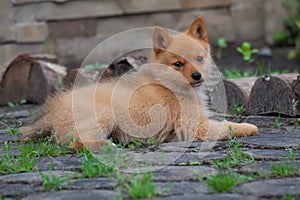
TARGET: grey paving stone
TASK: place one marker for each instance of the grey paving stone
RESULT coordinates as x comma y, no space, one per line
272,187
273,140
60,163
13,151
191,147
91,183
208,197
264,167
5,137
32,178
271,154
175,173
18,189
180,188
167,158
73,195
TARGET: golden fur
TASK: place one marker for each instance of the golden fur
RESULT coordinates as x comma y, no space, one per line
160,100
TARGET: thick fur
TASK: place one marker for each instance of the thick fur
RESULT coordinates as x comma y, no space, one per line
160,100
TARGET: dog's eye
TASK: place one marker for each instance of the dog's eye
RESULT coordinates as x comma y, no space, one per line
199,58
178,64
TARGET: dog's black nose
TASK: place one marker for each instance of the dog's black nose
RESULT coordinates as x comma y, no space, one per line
196,76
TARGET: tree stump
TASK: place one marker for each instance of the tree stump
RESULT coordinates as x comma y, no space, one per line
273,95
32,78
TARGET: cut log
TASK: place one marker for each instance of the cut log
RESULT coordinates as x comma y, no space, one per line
81,77
31,78
238,91
119,67
296,89
273,95
296,86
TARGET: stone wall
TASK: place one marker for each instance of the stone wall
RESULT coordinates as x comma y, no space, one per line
71,28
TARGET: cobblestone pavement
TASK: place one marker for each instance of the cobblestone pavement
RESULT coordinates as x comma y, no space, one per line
179,170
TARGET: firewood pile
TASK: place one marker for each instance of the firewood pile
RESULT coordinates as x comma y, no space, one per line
35,77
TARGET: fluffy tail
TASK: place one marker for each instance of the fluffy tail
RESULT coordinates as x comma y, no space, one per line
39,129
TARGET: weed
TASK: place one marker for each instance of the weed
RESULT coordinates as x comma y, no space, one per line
223,182
237,109
92,167
296,121
277,121
60,83
118,196
12,104
235,154
95,66
141,187
291,35
222,44
246,51
20,163
286,168
288,197
135,144
53,182
235,73
47,148
194,163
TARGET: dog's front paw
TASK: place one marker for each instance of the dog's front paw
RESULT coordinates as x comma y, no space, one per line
249,129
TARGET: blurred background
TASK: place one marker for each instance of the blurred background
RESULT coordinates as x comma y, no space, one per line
69,29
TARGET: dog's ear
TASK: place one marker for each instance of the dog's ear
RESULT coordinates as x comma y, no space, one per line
198,29
161,39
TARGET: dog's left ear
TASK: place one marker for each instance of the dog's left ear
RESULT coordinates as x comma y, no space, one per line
198,29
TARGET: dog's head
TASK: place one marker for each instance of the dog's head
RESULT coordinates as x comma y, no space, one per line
188,52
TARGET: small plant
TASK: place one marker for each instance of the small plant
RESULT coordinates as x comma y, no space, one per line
291,35
286,168
11,104
135,144
92,167
288,197
246,51
141,187
235,73
95,66
277,121
237,109
222,44
235,154
223,182
53,182
296,121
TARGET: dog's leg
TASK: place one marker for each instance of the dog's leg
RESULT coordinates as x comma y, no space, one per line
214,130
92,133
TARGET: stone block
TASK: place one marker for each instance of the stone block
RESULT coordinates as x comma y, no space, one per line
274,18
21,2
219,23
78,10
6,31
140,6
9,51
248,20
25,13
31,32
196,4
73,28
